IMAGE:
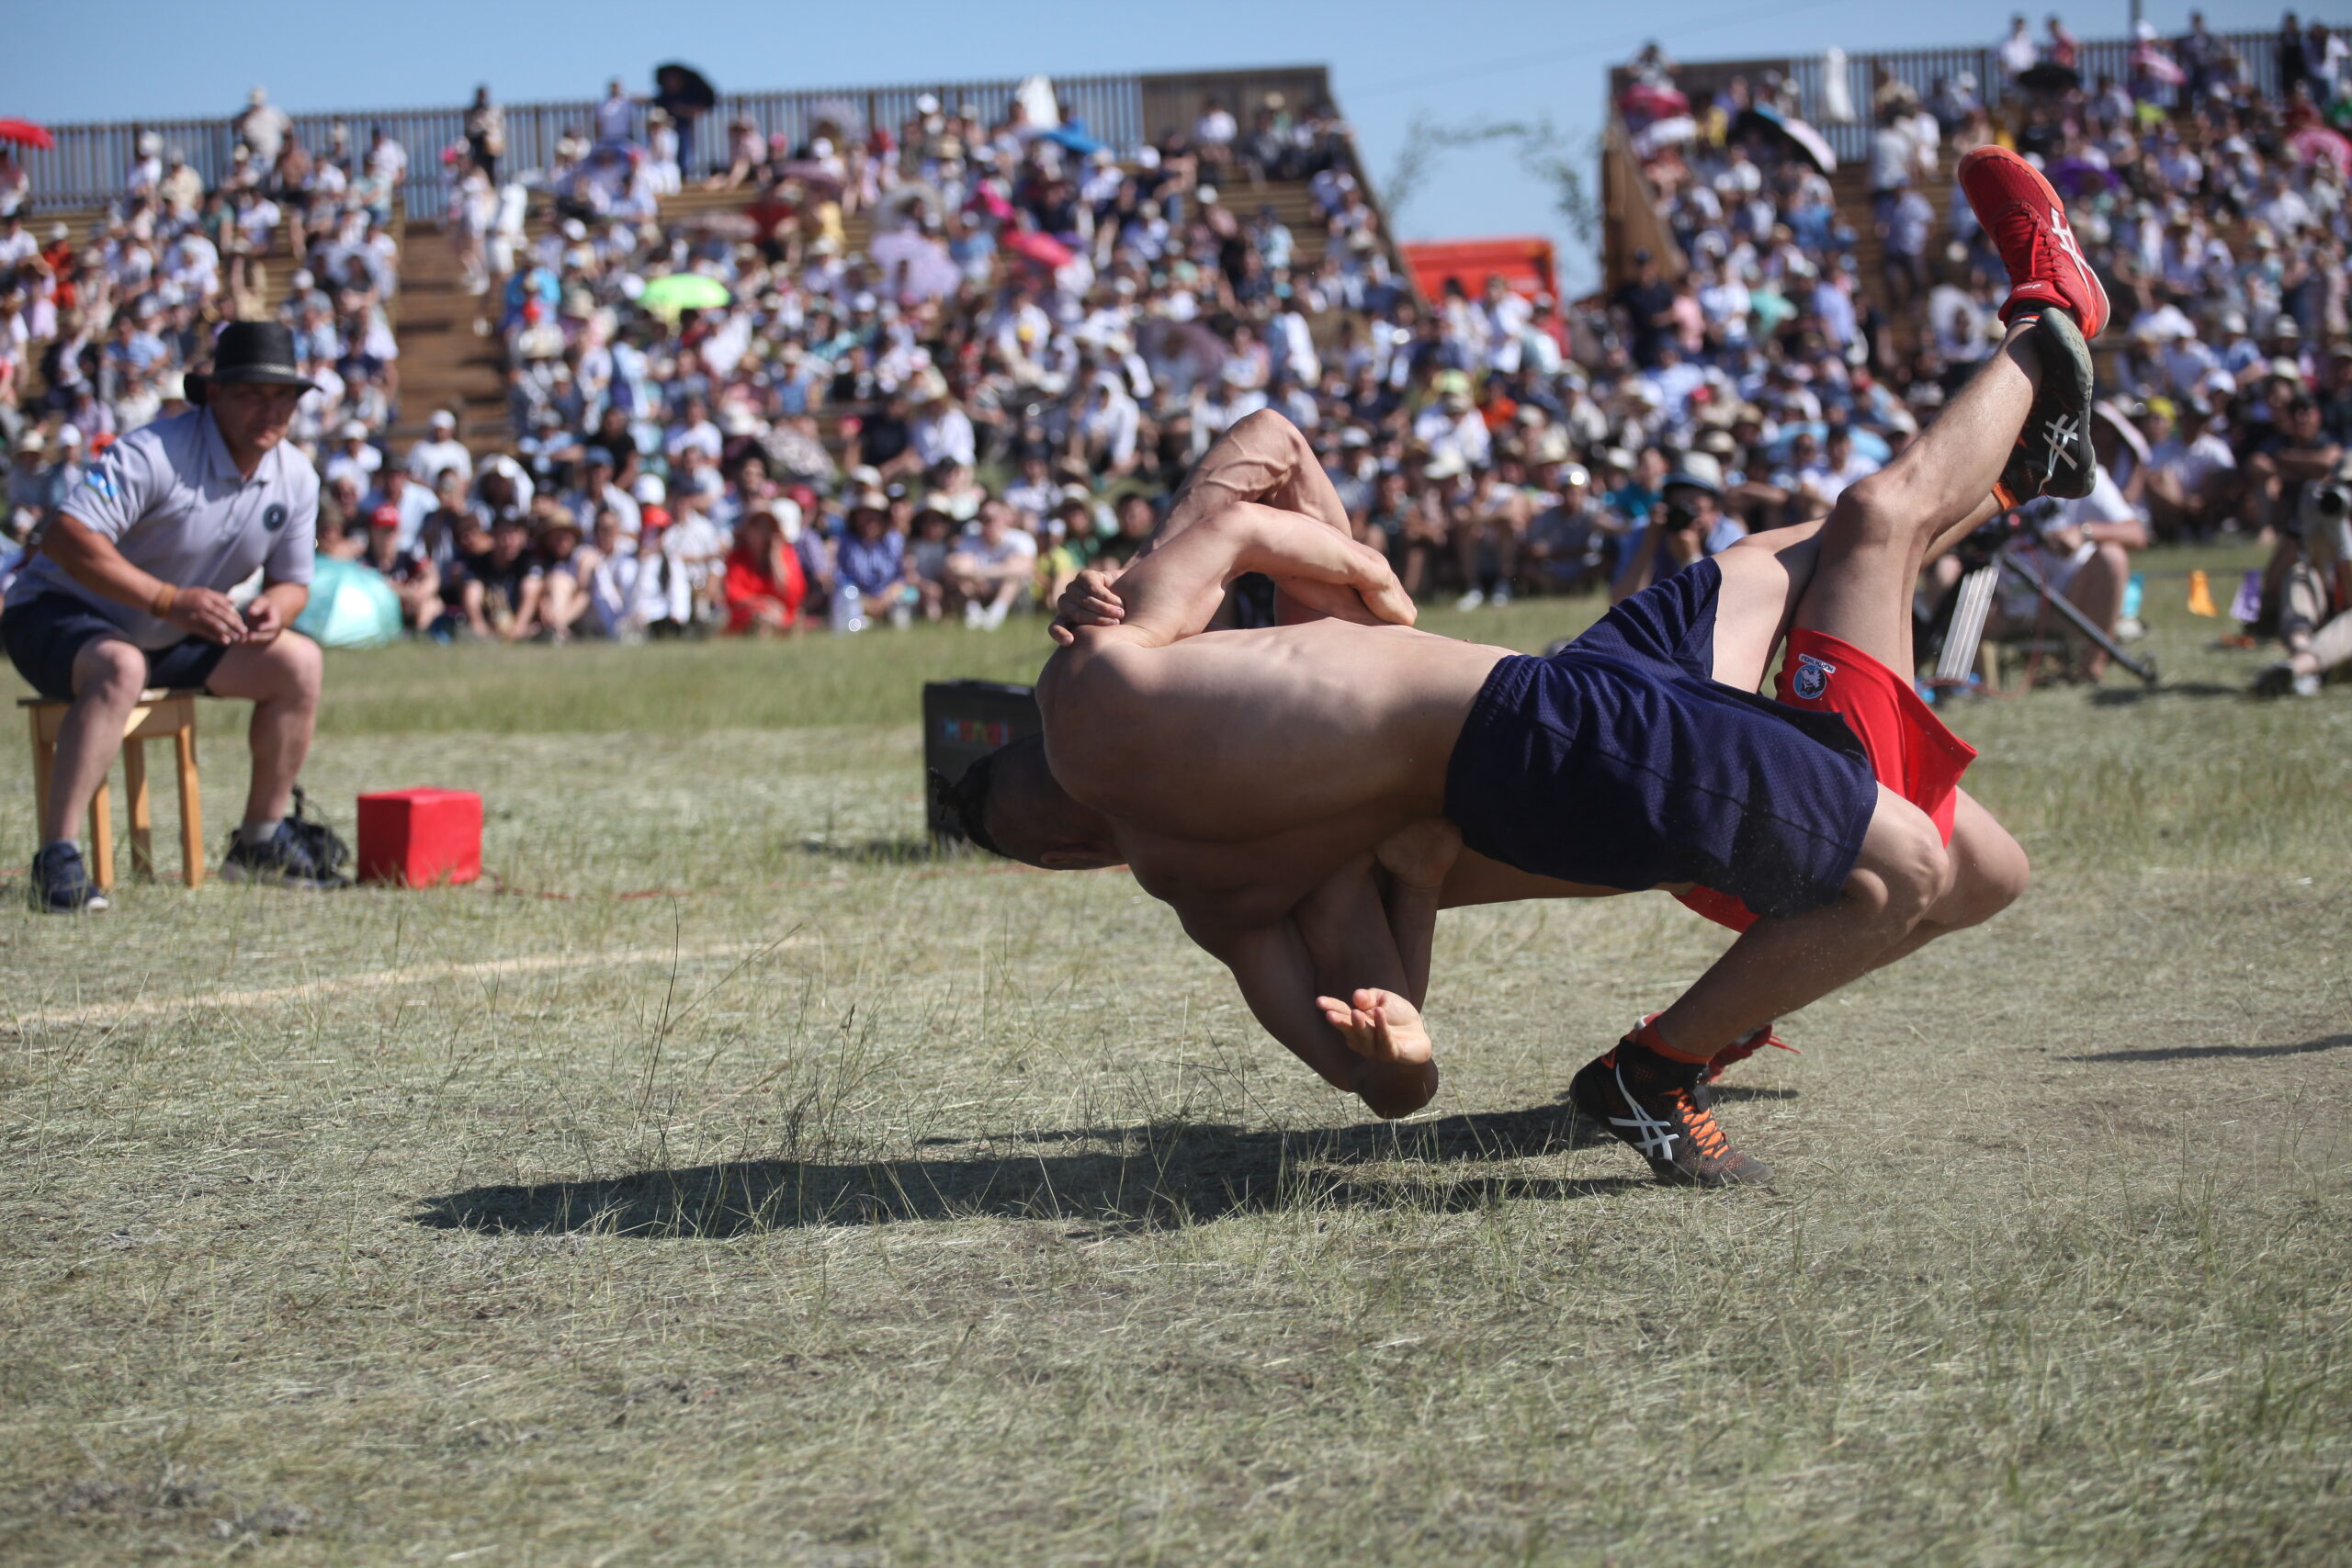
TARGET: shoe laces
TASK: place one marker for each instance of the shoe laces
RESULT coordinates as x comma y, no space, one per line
1698,1123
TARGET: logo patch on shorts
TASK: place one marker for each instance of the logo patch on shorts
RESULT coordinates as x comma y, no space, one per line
273,517
1812,678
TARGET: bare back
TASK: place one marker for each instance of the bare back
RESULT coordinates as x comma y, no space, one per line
1238,737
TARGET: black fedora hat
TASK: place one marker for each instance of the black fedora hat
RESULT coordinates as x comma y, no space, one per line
249,354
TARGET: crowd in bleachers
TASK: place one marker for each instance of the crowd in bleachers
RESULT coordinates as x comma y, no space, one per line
878,374
98,326
1038,336
2214,212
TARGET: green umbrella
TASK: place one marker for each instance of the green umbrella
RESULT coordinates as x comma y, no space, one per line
351,606
679,292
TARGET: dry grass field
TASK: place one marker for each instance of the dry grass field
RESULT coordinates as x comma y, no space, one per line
727,1180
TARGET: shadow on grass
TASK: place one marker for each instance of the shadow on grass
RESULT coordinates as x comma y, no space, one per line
2123,697
1164,1175
885,852
2208,1052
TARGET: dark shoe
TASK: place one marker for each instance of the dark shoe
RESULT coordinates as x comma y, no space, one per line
60,885
288,860
1661,1108
2280,679
2053,453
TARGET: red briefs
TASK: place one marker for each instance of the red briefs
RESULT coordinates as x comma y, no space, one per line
1910,749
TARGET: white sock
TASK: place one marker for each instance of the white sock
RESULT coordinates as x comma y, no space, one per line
258,833
69,843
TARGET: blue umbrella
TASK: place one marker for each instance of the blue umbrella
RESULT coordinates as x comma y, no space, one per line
352,605
1071,134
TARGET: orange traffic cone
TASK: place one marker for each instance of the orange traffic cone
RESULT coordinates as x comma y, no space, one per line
2200,595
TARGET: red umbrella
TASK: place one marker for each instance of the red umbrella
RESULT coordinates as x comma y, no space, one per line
25,134
2314,143
1039,247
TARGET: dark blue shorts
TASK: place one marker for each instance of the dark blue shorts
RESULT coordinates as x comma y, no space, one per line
1619,761
45,632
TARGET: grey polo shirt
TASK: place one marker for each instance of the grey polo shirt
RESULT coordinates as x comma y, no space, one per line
169,496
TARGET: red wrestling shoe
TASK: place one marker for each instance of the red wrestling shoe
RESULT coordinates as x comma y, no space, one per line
2027,223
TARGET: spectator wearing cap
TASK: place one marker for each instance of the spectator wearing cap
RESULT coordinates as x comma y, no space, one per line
1688,522
2294,452
440,449
414,502
354,458
567,567
29,488
503,582
412,572
2191,471
1569,538
131,591
873,575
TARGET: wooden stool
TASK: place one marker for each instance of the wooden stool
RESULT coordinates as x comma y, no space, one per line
159,713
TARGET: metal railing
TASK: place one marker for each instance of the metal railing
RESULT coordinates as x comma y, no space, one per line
87,166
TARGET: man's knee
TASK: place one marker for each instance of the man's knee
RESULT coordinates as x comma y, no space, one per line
1905,869
1871,515
1991,874
109,672
295,670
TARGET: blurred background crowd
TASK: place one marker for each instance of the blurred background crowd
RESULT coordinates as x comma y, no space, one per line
882,373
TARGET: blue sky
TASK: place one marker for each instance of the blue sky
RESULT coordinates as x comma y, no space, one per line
1454,60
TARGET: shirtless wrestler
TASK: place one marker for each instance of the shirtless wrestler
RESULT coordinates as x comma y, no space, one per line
1289,790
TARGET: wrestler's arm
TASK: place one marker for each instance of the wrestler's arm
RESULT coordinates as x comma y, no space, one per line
1262,459
1172,593
1384,1059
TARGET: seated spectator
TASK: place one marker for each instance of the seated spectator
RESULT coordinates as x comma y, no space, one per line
990,569
440,449
931,539
2191,472
1838,470
502,582
764,584
566,569
873,574
2082,548
1687,524
352,459
1567,542
2314,598
629,588
410,571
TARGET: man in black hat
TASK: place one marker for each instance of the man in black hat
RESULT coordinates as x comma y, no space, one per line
131,591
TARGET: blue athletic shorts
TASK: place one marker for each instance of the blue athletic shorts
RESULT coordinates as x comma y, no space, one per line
1619,761
45,632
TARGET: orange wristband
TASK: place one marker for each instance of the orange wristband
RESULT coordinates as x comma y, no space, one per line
163,598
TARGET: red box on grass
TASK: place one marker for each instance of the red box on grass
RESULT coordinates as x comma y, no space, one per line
419,837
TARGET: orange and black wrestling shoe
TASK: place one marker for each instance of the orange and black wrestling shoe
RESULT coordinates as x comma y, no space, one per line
1661,1108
